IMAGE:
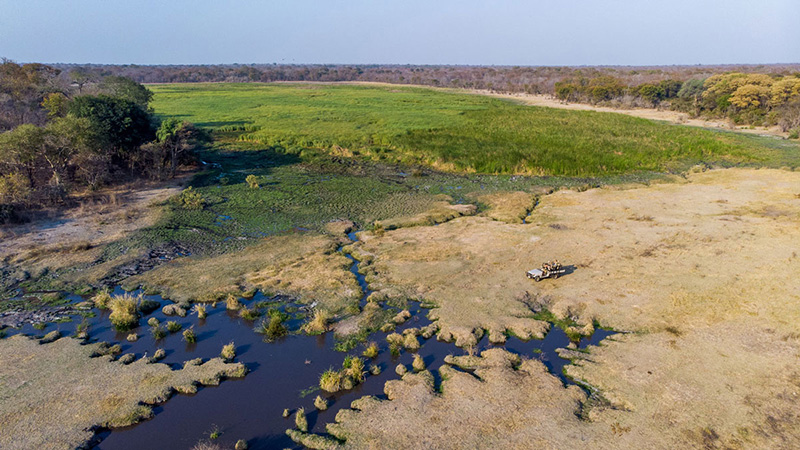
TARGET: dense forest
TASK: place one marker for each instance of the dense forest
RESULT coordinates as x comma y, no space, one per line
746,94
60,133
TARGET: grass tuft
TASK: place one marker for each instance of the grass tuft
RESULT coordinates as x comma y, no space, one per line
300,420
228,352
189,335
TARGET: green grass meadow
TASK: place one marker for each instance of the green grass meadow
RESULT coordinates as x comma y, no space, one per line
458,132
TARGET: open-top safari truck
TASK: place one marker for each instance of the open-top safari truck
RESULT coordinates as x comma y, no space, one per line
551,269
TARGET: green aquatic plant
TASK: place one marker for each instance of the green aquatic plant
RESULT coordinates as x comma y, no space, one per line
330,380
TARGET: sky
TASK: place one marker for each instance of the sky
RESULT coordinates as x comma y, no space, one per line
490,32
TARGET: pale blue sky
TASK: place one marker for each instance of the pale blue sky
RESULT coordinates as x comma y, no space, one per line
503,32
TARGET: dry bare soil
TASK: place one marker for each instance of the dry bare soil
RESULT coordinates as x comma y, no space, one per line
702,273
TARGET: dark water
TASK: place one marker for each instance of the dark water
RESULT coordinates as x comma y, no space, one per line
251,408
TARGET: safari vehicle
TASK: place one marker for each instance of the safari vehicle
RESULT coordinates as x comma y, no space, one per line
552,269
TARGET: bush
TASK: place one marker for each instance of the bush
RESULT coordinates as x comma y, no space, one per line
191,199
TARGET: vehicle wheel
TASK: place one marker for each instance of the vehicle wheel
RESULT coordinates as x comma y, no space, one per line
536,279
556,276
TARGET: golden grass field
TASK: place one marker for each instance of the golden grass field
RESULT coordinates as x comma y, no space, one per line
702,273
53,395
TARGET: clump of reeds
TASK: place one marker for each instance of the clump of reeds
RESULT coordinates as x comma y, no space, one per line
124,313
330,380
102,299
133,337
418,364
173,327
158,332
158,355
272,326
400,370
232,303
286,412
375,369
189,335
249,313
300,420
318,323
353,367
252,181
228,351
371,351
241,444
153,322
320,403
201,311
127,358
410,342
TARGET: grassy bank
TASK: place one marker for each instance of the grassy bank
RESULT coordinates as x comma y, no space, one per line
458,132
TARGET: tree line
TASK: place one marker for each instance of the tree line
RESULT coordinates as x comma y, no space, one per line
60,131
746,94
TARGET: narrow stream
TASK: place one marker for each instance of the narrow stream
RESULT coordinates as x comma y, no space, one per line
281,372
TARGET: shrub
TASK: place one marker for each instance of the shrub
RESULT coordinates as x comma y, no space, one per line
252,181
173,327
330,380
300,420
228,352
124,313
191,199
189,335
419,364
320,403
371,351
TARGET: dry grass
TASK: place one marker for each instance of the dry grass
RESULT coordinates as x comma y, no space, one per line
441,211
704,271
509,207
124,311
303,265
53,394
